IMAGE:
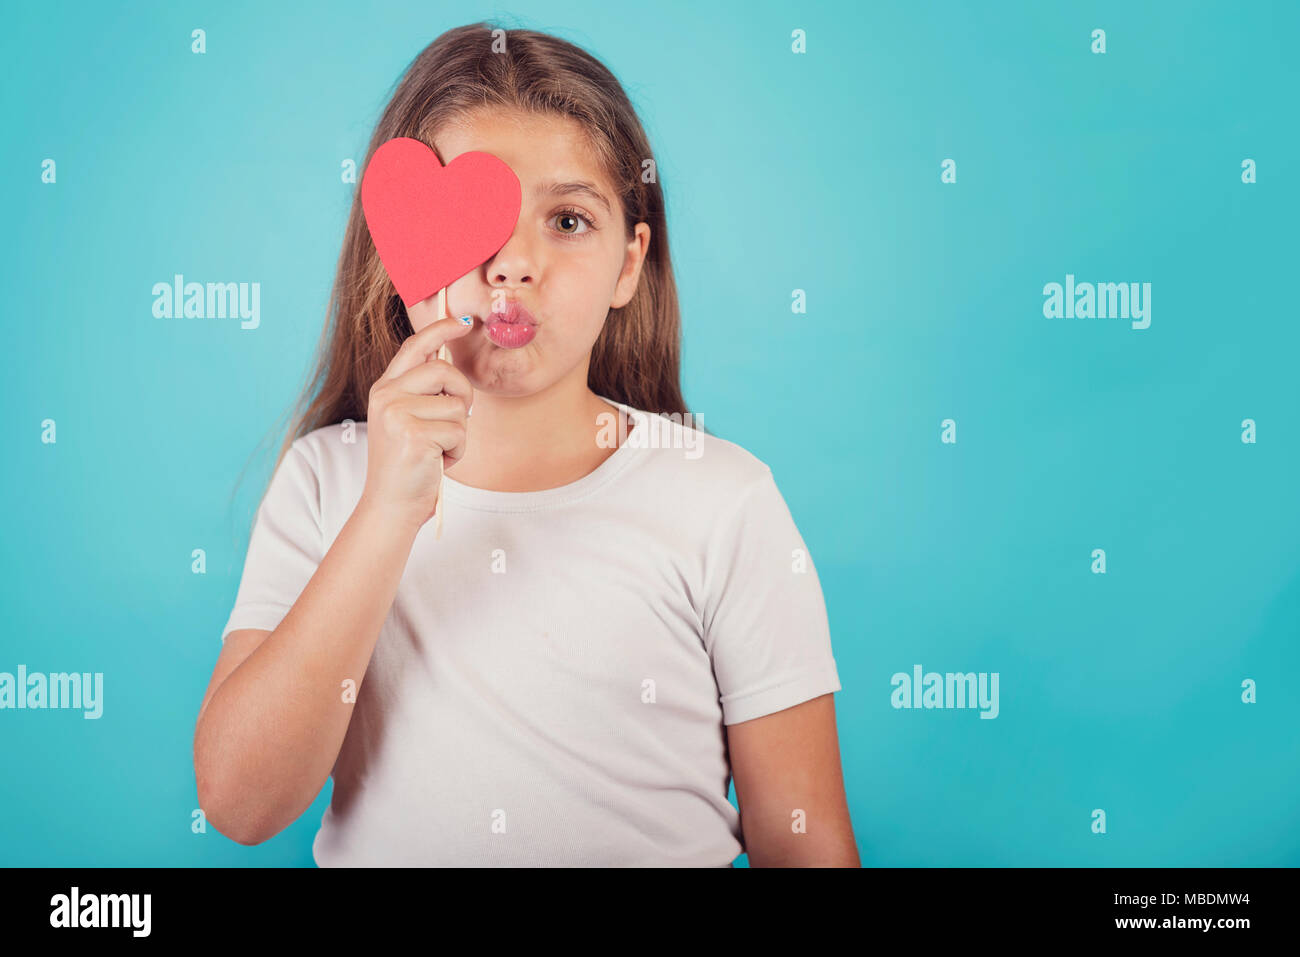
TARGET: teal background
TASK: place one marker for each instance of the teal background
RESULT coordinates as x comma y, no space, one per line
817,172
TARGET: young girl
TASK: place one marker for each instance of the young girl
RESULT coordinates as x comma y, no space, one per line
613,623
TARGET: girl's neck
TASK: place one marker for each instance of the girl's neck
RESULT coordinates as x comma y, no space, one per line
535,442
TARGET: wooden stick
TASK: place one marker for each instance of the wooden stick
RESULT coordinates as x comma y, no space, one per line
445,355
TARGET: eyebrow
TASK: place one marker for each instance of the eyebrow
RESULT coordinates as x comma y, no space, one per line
588,189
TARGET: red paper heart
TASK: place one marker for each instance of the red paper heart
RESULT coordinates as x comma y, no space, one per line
432,224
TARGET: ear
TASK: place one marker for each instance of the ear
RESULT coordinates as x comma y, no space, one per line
633,257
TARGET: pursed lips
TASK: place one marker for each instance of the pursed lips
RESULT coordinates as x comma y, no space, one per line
513,313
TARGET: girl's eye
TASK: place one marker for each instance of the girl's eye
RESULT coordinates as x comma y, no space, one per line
568,221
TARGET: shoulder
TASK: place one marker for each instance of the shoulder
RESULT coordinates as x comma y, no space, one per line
692,463
330,463
334,452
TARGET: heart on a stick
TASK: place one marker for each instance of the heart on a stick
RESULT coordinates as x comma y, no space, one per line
432,224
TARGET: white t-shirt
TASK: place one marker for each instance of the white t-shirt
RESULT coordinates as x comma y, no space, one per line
551,683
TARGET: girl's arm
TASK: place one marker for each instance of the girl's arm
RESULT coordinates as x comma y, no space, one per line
790,789
274,716
276,711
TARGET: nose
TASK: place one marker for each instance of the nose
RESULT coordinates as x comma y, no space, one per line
513,264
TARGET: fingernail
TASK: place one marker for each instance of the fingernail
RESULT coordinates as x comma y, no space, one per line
468,320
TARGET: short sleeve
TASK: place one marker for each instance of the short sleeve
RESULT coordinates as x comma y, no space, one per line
765,624
285,547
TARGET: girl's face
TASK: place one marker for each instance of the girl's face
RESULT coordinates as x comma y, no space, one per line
566,264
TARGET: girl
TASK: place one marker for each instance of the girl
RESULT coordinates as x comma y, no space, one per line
615,620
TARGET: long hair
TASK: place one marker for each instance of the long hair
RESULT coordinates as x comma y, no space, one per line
637,356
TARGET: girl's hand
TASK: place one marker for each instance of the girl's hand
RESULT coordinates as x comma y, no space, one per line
412,431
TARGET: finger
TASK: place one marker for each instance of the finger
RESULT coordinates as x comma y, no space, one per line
434,376
448,436
421,346
447,408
